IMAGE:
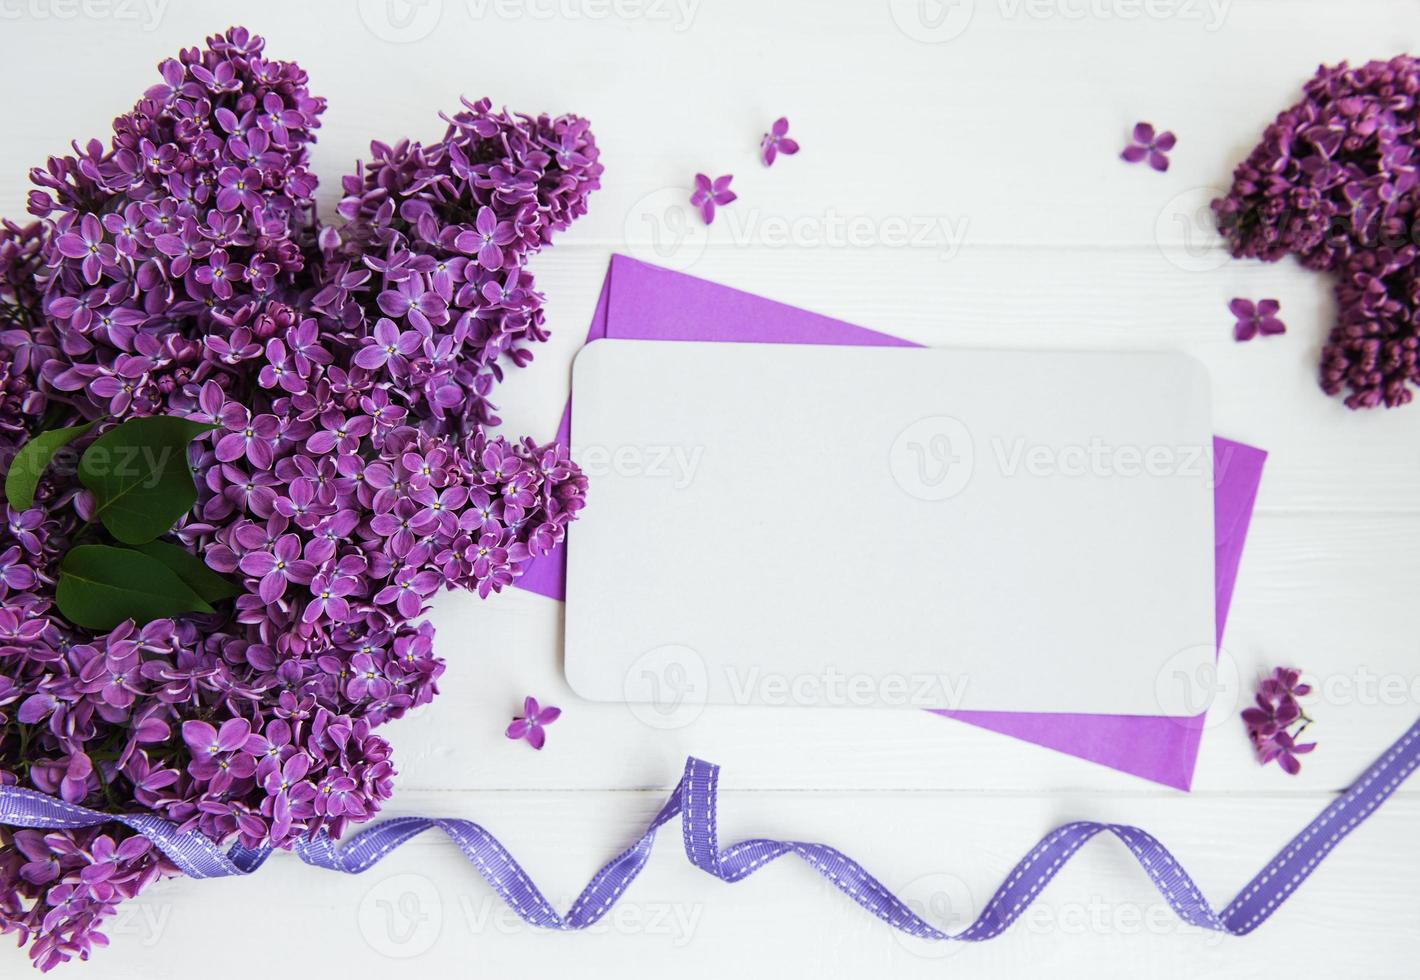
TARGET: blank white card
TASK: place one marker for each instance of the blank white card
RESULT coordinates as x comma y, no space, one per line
807,525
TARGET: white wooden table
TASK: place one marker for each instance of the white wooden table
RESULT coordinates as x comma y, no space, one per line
991,131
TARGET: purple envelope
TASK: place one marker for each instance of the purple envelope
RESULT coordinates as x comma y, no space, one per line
645,302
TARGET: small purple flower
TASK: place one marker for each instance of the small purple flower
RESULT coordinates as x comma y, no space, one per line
330,534
15,572
399,527
388,346
126,228
328,594
1284,683
221,755
88,245
407,590
247,436
441,508
281,369
114,675
280,565
367,680
184,247
1151,146
291,794
446,275
118,390
1284,748
239,188
338,433
78,773
487,239
1269,722
777,141
206,742
42,864
708,194
1254,319
220,273
23,525
530,724
413,299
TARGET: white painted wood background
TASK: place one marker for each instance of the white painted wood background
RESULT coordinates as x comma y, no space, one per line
997,124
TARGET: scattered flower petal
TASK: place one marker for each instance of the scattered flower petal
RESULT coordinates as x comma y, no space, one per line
1149,146
777,141
529,725
1256,318
710,193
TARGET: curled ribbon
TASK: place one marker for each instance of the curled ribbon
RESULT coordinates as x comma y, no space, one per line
694,800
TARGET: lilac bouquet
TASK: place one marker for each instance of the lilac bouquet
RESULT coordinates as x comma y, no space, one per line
1334,183
338,379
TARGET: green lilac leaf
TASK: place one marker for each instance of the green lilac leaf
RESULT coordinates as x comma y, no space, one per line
101,586
139,476
33,459
192,570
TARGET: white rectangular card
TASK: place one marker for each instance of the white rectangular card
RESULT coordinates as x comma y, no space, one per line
826,525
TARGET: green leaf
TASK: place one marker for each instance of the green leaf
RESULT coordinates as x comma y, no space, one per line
101,586
33,459
139,476
192,570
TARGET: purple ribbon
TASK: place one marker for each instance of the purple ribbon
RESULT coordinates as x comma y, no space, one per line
694,800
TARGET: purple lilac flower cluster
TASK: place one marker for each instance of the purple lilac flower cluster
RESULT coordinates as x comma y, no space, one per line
1271,719
1334,182
181,270
427,273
